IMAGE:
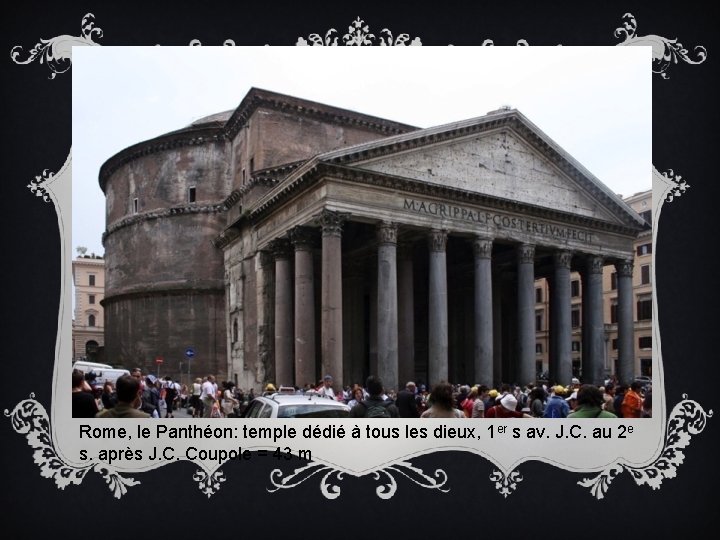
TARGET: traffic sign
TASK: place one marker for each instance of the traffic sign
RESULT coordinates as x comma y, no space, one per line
159,360
189,352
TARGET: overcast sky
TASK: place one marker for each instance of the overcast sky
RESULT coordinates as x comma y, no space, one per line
595,102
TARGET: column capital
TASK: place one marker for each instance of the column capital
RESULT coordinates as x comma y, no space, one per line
437,239
624,267
280,248
302,237
526,253
594,264
387,232
482,247
562,259
331,222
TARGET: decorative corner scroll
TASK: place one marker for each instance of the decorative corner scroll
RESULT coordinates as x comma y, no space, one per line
36,185
331,477
30,418
664,51
688,418
359,34
57,52
678,186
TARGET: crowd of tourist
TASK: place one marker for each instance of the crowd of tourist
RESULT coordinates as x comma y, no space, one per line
139,395
578,400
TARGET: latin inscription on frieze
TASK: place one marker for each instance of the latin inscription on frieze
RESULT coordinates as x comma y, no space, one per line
499,221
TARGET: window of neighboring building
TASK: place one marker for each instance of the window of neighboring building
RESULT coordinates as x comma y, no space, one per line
538,348
647,216
91,320
646,366
538,295
538,367
614,344
252,165
575,346
613,312
644,308
91,280
613,281
575,288
235,331
243,177
644,249
91,299
538,321
575,318
645,342
91,347
191,194
645,274
135,206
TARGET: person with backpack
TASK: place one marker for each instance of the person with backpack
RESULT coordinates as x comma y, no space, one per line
374,406
151,397
170,395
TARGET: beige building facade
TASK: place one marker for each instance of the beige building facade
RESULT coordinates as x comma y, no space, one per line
88,339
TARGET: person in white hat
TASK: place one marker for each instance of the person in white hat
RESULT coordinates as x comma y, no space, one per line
506,408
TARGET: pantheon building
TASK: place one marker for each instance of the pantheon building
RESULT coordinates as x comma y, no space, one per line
288,239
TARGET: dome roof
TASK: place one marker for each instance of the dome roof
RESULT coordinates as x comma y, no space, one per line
221,118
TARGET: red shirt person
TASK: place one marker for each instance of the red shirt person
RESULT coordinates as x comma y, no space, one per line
632,404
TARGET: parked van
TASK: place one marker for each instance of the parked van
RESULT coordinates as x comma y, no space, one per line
87,367
103,375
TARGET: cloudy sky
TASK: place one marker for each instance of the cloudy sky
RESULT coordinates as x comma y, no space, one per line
595,102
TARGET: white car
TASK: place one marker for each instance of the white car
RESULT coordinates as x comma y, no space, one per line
296,406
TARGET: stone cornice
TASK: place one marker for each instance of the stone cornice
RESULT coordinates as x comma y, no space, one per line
226,237
193,136
255,98
315,171
206,287
269,177
164,213
232,199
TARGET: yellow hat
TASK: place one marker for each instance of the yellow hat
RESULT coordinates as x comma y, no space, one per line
559,389
270,387
493,393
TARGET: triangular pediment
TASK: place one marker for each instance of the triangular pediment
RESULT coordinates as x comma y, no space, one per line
499,164
502,156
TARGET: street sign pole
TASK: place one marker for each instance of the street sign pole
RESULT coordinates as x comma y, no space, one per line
190,353
158,361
